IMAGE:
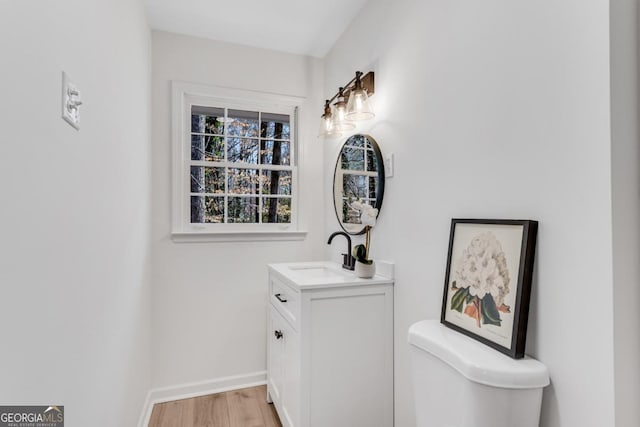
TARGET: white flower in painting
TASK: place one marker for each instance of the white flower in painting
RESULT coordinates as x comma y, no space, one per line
482,269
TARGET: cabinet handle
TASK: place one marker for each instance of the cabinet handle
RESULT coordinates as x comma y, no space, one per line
278,334
279,297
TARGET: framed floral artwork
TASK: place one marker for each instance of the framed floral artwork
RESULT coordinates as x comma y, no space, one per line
488,281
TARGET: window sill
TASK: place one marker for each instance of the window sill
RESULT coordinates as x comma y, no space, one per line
237,236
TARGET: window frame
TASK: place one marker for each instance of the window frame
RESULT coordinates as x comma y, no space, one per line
186,95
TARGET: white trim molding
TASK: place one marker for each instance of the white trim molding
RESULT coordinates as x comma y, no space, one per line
196,389
238,236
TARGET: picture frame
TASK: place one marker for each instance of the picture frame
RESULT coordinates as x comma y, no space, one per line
488,281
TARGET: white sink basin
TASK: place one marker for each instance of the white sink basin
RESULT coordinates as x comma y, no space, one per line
314,271
320,274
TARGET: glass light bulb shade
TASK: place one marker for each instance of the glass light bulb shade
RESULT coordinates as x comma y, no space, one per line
344,126
327,129
340,122
332,134
359,107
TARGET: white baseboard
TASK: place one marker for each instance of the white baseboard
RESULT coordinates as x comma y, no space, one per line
200,388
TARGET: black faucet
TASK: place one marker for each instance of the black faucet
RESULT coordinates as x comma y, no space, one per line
348,261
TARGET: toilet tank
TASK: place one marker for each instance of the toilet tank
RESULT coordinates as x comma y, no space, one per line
460,382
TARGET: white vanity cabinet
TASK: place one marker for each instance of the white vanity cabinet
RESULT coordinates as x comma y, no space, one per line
330,346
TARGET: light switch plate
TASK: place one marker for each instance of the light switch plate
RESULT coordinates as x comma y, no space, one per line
71,102
388,166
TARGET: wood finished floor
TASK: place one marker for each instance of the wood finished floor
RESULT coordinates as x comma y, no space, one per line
247,407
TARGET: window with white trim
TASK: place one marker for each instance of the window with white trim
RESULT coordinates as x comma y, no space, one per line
234,162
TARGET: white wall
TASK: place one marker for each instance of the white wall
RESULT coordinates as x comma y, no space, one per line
209,299
74,251
625,160
496,109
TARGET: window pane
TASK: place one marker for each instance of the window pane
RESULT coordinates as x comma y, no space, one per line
207,120
276,182
354,186
207,209
207,180
243,181
209,148
373,186
357,141
349,215
275,153
372,164
243,123
352,159
243,150
275,126
243,209
276,210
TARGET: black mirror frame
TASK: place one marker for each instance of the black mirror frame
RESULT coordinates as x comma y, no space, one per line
381,177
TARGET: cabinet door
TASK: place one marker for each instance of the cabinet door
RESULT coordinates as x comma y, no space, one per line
291,376
284,368
276,362
348,345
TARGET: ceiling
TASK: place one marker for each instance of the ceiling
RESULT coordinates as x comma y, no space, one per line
305,27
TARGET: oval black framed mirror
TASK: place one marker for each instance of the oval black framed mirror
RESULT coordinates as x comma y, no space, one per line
359,174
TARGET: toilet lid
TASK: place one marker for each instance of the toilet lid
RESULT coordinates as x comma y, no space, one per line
476,361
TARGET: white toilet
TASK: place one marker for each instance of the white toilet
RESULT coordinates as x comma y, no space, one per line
460,382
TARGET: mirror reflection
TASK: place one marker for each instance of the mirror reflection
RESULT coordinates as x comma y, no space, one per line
359,174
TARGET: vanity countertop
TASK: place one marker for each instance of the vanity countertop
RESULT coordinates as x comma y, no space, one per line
327,274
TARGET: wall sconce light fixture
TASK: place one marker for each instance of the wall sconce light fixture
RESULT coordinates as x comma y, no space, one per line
352,105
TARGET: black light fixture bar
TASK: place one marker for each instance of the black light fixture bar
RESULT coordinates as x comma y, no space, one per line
352,106
368,84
